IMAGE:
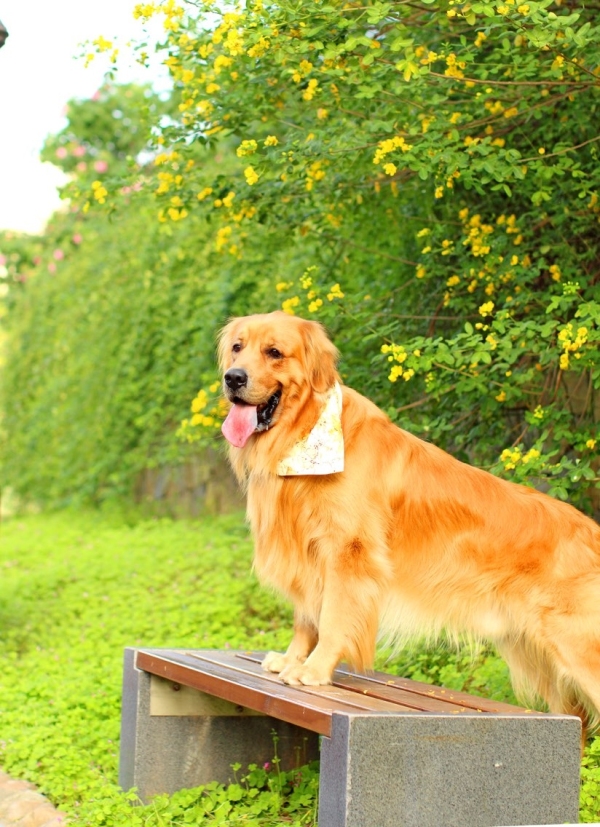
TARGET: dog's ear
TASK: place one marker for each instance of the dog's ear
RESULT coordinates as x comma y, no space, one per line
321,357
224,339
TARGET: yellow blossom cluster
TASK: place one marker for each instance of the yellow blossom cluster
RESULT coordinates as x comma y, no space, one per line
246,148
335,293
166,181
100,191
397,353
259,48
390,145
315,172
477,236
310,90
454,66
251,175
201,417
288,305
571,343
511,457
510,224
555,272
222,238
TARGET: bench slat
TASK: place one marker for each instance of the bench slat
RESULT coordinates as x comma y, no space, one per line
308,707
416,694
450,695
359,699
365,685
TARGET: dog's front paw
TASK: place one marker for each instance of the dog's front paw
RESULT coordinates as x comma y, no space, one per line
274,662
301,674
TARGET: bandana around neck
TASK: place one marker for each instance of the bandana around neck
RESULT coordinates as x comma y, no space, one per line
322,450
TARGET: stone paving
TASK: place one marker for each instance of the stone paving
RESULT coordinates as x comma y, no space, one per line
22,806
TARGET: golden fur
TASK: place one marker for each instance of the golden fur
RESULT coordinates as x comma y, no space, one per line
407,540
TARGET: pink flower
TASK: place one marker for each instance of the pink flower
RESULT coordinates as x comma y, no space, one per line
52,267
62,152
37,260
77,238
81,166
79,151
2,261
58,254
100,166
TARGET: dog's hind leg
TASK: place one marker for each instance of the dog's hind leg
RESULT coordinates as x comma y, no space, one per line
537,673
579,662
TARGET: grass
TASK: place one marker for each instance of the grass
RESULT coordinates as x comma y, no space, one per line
77,588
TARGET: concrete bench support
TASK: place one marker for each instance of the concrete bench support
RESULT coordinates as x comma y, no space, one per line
185,741
394,753
436,770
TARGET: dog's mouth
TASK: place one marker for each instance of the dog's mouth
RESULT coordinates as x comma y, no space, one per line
244,419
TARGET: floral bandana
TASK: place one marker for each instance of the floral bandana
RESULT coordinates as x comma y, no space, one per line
322,450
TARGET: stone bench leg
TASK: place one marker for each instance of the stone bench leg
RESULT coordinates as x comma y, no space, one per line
449,771
171,740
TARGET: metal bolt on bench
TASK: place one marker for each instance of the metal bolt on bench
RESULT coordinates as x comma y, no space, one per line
394,752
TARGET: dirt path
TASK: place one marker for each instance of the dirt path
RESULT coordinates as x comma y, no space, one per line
22,806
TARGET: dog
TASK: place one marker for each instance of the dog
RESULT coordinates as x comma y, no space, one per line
395,535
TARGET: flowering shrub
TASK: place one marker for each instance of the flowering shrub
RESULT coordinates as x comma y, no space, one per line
423,178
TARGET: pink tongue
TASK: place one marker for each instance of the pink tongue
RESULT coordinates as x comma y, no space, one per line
240,424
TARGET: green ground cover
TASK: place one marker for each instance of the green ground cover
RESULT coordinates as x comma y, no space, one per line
77,588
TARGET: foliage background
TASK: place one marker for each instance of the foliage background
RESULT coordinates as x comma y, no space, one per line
422,177
78,587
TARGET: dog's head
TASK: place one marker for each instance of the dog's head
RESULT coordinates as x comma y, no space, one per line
271,363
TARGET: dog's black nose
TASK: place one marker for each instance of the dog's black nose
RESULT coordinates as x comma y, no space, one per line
236,378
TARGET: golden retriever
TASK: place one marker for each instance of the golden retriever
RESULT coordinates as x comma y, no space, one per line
406,539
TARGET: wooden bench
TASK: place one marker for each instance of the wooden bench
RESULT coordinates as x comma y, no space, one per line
393,751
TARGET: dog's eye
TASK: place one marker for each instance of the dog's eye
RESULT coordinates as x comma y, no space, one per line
237,347
274,353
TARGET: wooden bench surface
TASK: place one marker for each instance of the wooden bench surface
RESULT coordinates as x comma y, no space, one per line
238,677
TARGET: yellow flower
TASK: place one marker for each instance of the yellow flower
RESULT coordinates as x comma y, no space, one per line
204,193
322,113
283,285
251,175
453,281
439,192
271,140
289,304
314,305
228,200
486,309
564,361
501,397
246,148
335,293
390,169
591,443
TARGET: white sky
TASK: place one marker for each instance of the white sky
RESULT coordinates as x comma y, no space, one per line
39,74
